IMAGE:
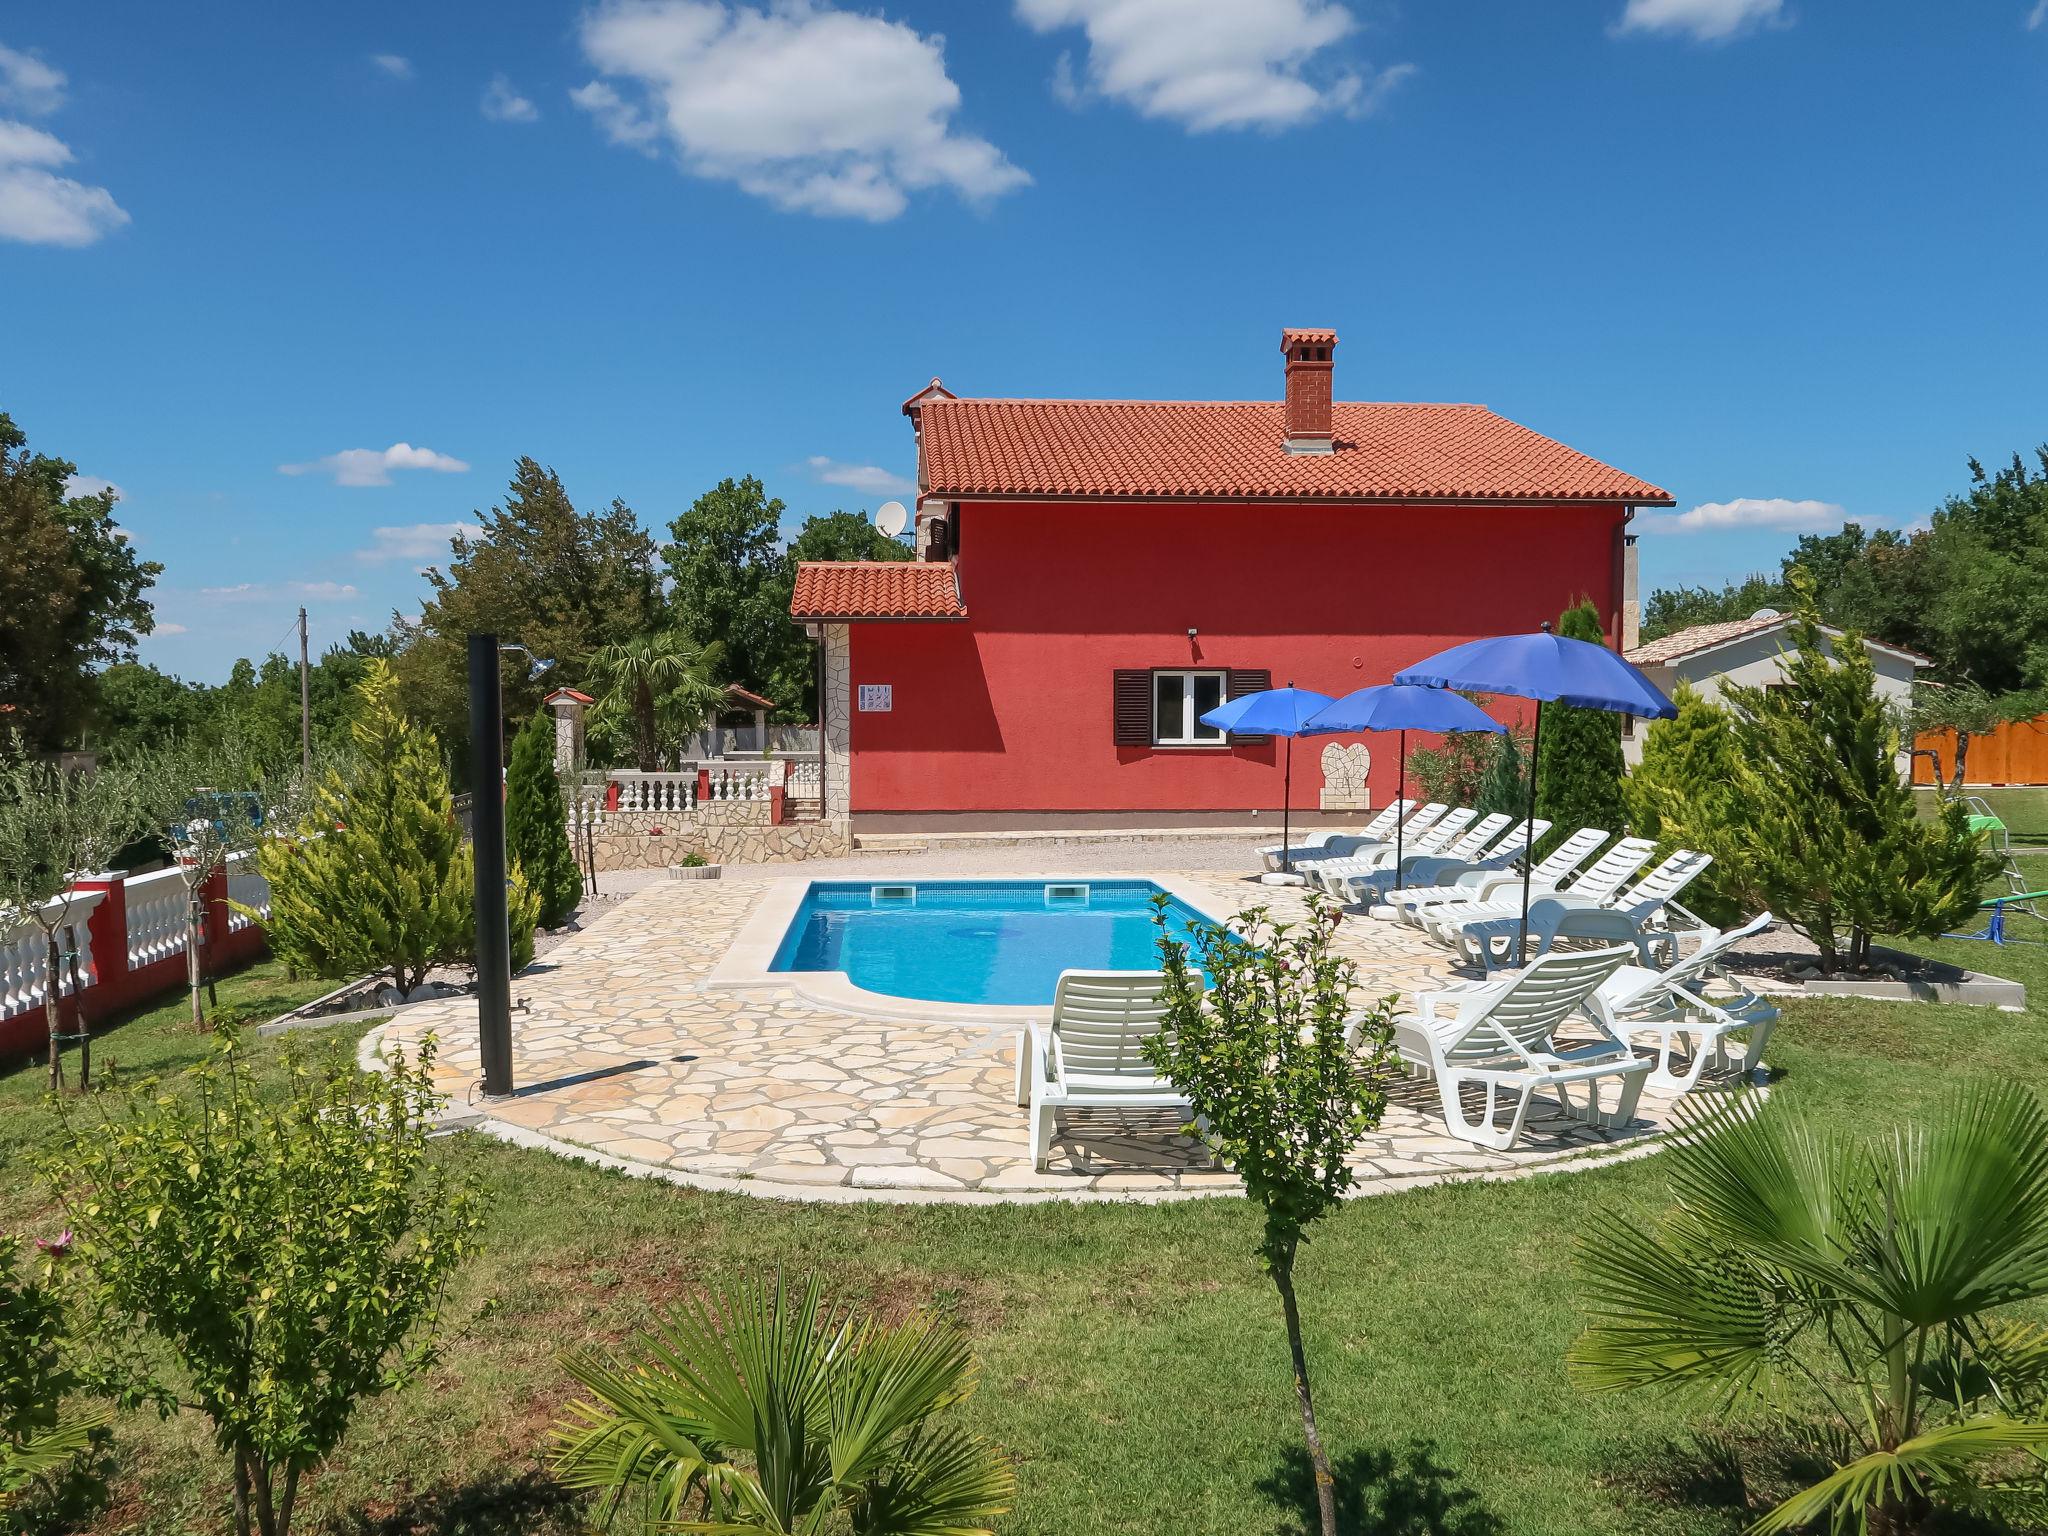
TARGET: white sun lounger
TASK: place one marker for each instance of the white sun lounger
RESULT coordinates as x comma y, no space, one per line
1467,844
1371,887
1447,830
1691,1010
1499,1035
1481,884
1380,826
1345,846
1626,919
1090,1055
1600,881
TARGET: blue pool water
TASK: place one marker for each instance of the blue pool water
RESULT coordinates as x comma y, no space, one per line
976,941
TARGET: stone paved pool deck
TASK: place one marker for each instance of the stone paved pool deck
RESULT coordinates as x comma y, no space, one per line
628,1054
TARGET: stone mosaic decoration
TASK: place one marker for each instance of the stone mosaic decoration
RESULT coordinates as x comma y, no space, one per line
1344,774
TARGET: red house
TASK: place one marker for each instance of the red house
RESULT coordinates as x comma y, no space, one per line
1093,575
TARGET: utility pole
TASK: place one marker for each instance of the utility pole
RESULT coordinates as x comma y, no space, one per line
305,703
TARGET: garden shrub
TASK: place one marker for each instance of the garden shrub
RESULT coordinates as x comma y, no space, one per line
1578,780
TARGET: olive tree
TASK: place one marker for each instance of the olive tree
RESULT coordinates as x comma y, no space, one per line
1284,1078
56,824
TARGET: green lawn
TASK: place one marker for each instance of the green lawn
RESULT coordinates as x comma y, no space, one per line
2024,812
1133,1359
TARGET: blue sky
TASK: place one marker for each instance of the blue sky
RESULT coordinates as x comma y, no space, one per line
1782,256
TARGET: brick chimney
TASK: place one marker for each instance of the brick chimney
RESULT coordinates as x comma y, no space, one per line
1310,355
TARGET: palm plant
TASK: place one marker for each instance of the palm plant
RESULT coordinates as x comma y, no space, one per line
1856,1292
768,1412
661,682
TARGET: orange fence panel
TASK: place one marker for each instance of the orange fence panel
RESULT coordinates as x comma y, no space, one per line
2015,753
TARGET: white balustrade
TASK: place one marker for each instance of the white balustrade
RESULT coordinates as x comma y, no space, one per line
737,783
24,954
804,778
665,792
156,917
247,887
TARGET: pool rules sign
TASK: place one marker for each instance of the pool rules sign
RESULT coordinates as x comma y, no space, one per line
877,698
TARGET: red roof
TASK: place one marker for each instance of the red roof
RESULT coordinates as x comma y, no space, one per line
734,693
876,589
1233,450
568,693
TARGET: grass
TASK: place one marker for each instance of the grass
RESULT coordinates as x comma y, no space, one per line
1133,1360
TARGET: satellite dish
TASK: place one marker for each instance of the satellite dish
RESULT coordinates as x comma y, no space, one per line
891,518
1766,613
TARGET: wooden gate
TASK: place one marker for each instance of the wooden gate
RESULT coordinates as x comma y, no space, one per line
2015,753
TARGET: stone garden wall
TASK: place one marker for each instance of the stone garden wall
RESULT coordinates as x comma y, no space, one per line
728,832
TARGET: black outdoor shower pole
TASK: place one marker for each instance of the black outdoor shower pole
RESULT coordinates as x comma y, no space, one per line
487,834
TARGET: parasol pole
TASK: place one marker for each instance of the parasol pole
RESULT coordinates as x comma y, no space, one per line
1400,822
1287,808
1529,841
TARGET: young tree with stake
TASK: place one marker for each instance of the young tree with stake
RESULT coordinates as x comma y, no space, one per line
54,826
1284,1079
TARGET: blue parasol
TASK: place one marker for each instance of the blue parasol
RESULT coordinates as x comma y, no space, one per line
1402,707
1551,669
1274,712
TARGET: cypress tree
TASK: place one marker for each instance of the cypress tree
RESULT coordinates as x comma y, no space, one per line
1681,793
1503,789
379,878
1578,781
537,824
1822,828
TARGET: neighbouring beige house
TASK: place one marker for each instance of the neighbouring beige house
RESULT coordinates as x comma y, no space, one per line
1750,651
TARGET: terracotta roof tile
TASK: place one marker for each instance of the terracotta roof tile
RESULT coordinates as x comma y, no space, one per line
1175,450
1309,335
876,589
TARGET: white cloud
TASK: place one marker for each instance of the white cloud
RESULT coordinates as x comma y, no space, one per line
816,110
373,466
91,485
396,65
1747,512
169,629
1209,64
259,592
1705,21
29,85
37,206
2037,18
415,541
502,104
870,479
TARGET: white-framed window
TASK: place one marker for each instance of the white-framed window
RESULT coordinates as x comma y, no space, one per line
1179,700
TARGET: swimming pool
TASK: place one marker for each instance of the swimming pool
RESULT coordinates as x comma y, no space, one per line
976,941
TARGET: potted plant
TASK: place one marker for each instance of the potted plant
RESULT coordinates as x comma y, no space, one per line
694,866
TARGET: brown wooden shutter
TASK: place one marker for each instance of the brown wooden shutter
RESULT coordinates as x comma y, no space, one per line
1131,706
1244,680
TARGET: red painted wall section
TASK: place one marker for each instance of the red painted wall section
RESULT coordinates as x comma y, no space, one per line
1010,709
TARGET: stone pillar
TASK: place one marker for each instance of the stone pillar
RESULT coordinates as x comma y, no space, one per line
568,706
1631,596
837,707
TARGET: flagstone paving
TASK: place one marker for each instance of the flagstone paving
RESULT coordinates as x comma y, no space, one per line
624,1056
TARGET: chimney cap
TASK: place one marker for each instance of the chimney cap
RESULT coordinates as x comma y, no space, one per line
1306,336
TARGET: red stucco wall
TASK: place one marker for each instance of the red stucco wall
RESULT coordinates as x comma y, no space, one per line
1010,709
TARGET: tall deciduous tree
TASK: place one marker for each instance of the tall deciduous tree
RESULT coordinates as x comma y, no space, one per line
1284,1079
561,582
72,592
731,586
1578,776
536,823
